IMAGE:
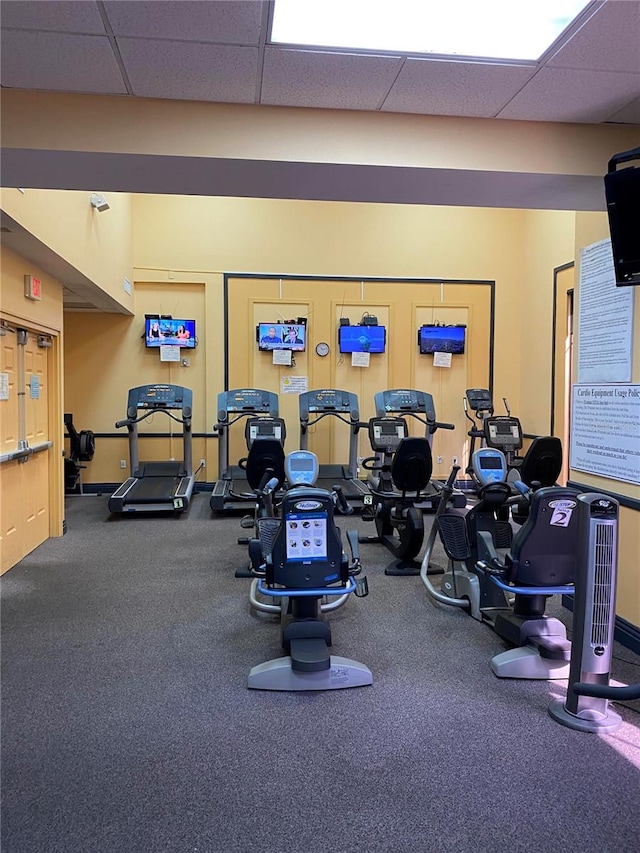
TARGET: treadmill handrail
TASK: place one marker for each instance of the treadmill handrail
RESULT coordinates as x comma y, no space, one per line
305,423
129,422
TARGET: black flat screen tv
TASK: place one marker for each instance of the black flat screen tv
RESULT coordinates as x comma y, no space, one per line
622,191
362,338
291,336
160,332
433,338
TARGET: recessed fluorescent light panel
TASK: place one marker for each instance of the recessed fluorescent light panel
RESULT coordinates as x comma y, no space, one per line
491,29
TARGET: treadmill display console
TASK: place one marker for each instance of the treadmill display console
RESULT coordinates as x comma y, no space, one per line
480,399
329,400
247,400
406,400
158,396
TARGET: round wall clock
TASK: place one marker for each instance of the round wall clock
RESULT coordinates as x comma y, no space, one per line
322,349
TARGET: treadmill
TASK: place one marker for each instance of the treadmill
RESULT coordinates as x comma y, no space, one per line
261,409
406,402
330,402
156,486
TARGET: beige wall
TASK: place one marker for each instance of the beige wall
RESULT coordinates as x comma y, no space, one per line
51,120
97,245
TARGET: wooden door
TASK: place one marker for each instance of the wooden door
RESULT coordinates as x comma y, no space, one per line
24,493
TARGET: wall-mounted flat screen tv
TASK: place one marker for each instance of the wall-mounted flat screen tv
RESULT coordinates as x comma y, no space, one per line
362,338
159,332
433,338
622,191
282,336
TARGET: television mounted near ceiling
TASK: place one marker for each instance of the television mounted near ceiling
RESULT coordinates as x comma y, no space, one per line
622,192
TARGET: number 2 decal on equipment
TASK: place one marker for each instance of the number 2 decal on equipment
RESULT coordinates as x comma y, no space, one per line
562,512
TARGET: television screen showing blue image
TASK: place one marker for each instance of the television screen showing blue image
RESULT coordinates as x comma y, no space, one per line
432,338
159,331
362,338
291,336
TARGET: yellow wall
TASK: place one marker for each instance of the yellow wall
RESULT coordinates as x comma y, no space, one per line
98,245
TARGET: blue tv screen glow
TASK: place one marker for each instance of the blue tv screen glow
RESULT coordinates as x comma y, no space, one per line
160,332
362,338
442,339
282,336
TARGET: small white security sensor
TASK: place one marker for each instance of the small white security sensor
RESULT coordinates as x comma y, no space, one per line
99,202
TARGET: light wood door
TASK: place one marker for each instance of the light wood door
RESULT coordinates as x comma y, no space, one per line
24,489
562,361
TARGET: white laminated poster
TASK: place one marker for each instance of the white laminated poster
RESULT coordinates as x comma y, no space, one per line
4,386
360,359
605,431
442,359
169,353
605,325
294,384
34,386
282,356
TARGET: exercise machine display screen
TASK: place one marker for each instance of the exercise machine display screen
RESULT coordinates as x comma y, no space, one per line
247,400
306,536
503,432
489,466
387,434
301,468
329,401
157,396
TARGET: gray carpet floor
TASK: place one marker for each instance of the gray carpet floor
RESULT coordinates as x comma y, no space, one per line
127,725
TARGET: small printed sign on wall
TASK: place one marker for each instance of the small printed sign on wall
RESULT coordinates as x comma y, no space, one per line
4,386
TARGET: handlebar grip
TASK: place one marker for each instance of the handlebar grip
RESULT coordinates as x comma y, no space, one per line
268,474
451,479
344,507
439,425
352,538
120,424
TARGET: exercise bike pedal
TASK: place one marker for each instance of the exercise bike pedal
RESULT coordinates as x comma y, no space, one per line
362,587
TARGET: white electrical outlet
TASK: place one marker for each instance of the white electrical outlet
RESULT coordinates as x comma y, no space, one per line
439,460
123,463
203,463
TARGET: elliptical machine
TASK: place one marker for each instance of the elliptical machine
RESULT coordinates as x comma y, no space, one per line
404,468
506,581
297,562
501,432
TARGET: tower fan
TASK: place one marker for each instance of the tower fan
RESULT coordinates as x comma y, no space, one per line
586,707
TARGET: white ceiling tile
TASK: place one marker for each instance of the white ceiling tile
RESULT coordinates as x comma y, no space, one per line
332,80
610,41
80,16
60,62
222,21
629,114
559,94
190,71
435,87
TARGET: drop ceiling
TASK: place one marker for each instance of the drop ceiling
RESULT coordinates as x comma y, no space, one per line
219,51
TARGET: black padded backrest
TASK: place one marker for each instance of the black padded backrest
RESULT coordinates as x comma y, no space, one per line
412,465
544,551
542,461
307,549
265,453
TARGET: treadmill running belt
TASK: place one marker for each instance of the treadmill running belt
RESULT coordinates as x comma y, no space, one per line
153,490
